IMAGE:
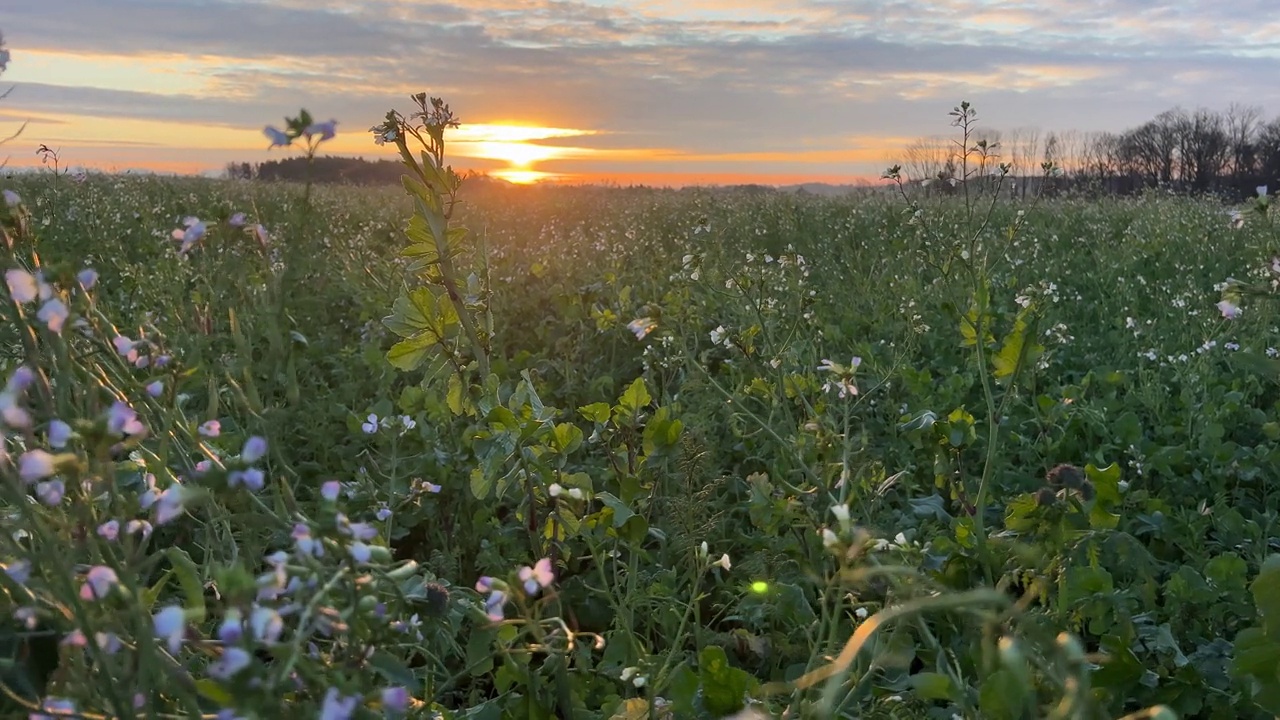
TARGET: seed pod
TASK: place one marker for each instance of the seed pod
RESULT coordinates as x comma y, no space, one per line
437,600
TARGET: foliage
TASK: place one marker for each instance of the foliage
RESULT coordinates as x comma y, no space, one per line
634,453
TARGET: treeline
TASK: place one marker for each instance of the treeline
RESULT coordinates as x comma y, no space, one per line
326,169
1202,151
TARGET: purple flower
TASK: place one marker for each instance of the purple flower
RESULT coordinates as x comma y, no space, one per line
19,571
236,220
53,314
138,527
395,699
1229,310
254,449
156,388
50,492
59,433
360,552
109,530
278,138
329,491
170,625
337,707
170,506
307,545
122,419
191,233
22,285
108,642
326,130
20,380
233,660
98,582
266,625
35,465
231,630
493,605
87,278
538,576
383,513
252,478
11,198
211,428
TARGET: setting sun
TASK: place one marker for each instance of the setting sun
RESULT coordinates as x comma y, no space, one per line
518,145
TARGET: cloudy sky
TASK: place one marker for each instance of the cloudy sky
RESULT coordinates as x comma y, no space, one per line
649,90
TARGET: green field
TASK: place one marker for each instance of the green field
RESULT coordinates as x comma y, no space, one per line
963,571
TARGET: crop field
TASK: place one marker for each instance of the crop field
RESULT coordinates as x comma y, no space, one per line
279,450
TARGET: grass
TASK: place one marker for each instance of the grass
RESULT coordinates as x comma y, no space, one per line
958,575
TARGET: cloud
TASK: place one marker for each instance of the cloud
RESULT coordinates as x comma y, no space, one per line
702,78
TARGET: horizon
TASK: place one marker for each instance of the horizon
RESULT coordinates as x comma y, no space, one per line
610,91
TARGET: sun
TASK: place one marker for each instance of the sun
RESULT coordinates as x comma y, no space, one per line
517,145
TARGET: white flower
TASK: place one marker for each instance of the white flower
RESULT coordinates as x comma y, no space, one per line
720,336
861,613
723,561
370,425
170,625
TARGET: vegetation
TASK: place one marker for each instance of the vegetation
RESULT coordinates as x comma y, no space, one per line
277,448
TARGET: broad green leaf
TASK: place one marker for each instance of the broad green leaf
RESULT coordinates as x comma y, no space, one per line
933,686
635,398
596,412
408,354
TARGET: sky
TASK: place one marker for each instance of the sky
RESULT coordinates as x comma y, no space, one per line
653,91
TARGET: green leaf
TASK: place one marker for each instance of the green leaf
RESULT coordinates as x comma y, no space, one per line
566,438
724,687
621,513
635,398
1002,696
392,669
933,686
408,354
189,579
596,412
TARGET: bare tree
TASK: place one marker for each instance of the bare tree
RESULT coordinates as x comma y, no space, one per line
927,157
1203,148
1242,125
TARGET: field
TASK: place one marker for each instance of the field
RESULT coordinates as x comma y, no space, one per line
633,453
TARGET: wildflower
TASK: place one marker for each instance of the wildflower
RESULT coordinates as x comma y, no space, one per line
18,571
138,527
383,513
266,625
540,575
51,492
395,699
236,220
723,561
211,429
98,582
260,233
641,327
1229,309
11,198
326,130
59,433
493,605
14,415
190,233
170,625
277,137
87,278
360,552
408,422
233,660
109,530
861,613
122,419
254,449
329,491
554,490
370,426
337,707
230,630
1261,190
54,707
124,347
22,285
35,465
252,478
170,504
306,544
54,314
719,336
829,538
155,389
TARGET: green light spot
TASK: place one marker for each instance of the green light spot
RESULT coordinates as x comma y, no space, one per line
759,587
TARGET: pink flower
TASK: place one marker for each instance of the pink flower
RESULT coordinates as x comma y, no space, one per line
98,582
538,576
